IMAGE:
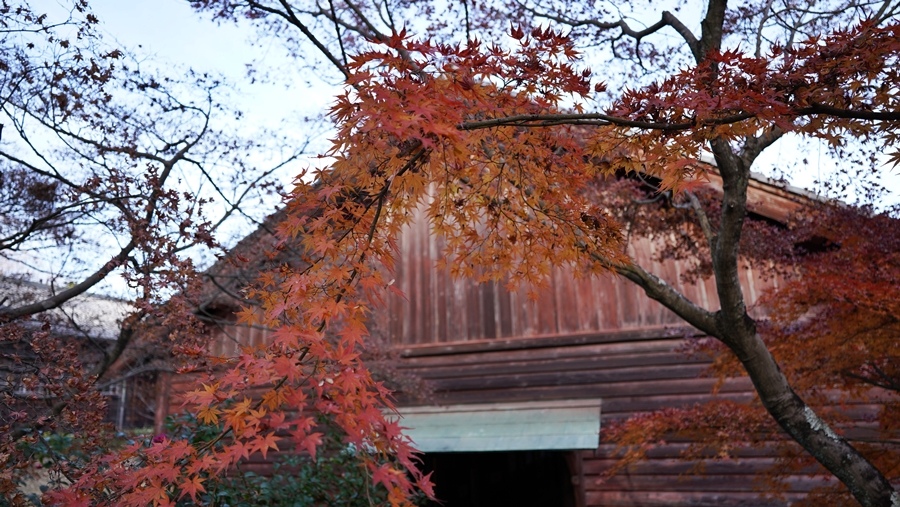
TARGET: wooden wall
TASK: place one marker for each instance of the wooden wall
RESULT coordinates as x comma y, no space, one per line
598,337
441,309
632,372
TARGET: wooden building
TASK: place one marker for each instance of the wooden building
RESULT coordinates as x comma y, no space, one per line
522,387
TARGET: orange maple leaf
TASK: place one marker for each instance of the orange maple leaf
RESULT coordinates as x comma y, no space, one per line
191,487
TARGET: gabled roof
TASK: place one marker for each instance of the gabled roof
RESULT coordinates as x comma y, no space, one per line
262,250
772,199
227,278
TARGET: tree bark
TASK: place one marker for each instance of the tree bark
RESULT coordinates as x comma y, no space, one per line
737,330
57,300
866,483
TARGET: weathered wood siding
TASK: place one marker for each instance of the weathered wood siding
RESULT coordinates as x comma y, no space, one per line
228,338
584,337
632,372
439,308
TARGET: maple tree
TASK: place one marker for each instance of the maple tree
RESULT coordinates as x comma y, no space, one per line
503,142
830,327
508,146
102,157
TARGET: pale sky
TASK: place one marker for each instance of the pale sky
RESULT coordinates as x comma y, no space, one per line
170,33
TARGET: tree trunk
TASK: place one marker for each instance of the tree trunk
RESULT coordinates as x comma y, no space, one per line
865,482
733,327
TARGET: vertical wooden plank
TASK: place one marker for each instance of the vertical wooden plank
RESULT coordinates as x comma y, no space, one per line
402,281
587,311
566,300
394,332
605,301
515,319
426,296
456,315
547,311
574,460
395,309
234,339
442,304
749,282
415,293
488,310
669,271
474,330
215,344
625,298
505,313
624,301
708,285
525,314
676,268
163,395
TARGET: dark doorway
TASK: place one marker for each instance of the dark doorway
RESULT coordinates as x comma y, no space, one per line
500,479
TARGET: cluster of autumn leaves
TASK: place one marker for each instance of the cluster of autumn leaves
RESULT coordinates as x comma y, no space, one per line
496,145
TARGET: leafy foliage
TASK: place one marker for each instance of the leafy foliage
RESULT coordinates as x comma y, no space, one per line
337,476
106,171
831,326
505,145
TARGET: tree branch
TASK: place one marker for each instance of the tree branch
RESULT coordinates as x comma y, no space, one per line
659,290
850,114
288,15
600,119
753,146
735,180
711,29
705,226
597,119
60,298
667,19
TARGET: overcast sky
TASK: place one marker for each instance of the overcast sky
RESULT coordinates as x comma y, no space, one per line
168,35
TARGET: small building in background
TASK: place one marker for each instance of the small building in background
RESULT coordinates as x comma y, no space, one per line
89,321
